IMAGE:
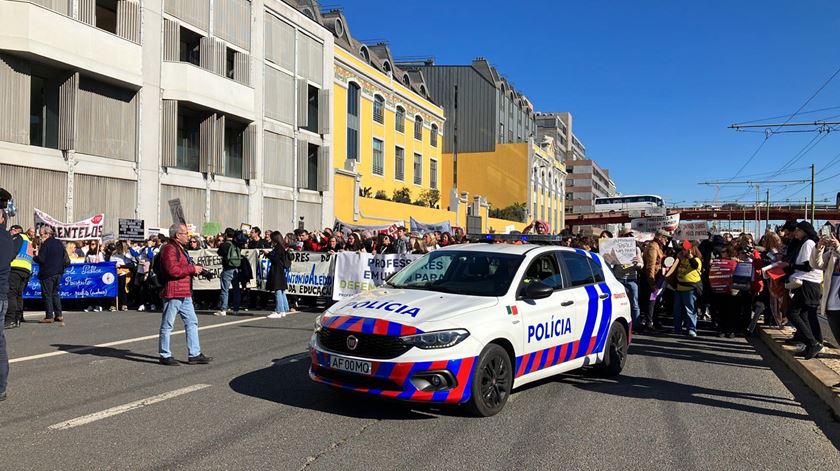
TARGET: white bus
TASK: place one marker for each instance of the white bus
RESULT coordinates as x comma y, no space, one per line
627,203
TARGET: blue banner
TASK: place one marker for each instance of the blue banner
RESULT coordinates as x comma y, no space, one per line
80,281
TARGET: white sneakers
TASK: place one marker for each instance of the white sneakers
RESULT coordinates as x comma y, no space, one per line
220,313
276,315
141,307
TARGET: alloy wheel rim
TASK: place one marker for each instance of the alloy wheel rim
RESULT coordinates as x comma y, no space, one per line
618,347
494,381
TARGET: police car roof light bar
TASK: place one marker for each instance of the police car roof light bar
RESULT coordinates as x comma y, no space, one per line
540,239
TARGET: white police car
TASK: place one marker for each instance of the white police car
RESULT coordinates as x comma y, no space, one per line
466,324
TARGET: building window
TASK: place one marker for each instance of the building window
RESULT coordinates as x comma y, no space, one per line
365,54
406,80
502,133
230,61
190,47
312,109
379,109
418,128
399,123
433,180
189,128
399,163
106,15
353,121
434,135
43,113
418,169
312,167
233,151
378,157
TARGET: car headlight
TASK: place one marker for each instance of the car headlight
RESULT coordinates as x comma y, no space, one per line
439,339
319,323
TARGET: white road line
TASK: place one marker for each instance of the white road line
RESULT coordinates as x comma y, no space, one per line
122,342
86,419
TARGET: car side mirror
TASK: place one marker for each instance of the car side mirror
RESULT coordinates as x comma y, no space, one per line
538,290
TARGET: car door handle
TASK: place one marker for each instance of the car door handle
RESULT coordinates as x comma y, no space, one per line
604,296
567,303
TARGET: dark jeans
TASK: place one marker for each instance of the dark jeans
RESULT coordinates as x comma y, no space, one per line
834,323
17,283
803,312
52,299
4,357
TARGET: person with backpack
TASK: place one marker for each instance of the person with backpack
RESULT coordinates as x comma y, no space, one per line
231,254
174,268
281,261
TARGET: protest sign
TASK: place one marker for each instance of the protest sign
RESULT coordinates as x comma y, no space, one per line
696,230
423,228
211,228
86,229
653,224
657,211
357,272
177,211
618,251
132,229
79,281
153,231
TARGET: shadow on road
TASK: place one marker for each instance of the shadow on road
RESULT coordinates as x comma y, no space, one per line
106,352
702,351
287,382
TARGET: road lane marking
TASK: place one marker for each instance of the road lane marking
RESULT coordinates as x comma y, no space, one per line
123,342
86,419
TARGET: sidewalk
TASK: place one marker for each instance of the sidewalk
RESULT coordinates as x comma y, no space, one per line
821,374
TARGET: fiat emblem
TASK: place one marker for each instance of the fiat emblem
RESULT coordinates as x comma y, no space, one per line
352,342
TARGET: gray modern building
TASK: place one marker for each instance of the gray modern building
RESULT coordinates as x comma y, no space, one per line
118,106
490,109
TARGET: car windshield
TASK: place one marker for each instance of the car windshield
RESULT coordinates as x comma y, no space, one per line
460,272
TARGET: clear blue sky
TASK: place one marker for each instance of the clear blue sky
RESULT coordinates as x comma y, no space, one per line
652,85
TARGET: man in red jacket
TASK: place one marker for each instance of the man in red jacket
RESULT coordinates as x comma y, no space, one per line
178,270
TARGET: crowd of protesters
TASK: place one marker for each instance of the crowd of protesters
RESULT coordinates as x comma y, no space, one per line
787,277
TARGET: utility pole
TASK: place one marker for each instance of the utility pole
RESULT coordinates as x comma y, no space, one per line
813,203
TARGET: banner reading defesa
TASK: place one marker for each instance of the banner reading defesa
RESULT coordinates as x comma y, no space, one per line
86,229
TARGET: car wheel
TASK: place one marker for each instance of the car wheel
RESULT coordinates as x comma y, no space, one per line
615,353
492,381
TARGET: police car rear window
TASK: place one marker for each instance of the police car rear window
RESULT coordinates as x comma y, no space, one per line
580,272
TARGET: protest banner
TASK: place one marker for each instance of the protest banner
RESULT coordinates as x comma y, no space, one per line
132,229
154,231
696,230
357,272
657,211
618,250
310,274
424,228
346,228
86,229
212,262
653,224
211,228
79,281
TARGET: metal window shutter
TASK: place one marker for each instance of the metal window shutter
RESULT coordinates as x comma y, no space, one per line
217,164
249,152
87,11
207,48
302,98
207,145
169,134
15,90
302,164
68,92
324,168
128,20
242,68
324,112
171,41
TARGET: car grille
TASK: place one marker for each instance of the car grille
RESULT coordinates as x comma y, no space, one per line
369,346
359,381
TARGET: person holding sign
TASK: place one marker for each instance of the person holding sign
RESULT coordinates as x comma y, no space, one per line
626,271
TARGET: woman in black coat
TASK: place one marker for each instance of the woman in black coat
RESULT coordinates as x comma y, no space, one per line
281,261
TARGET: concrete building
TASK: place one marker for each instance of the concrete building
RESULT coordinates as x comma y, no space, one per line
118,106
387,136
498,154
586,180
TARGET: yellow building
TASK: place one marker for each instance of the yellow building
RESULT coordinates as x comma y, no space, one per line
387,137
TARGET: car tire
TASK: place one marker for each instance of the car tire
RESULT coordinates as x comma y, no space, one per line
615,352
492,382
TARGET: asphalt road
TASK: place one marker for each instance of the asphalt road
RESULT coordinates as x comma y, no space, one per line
704,403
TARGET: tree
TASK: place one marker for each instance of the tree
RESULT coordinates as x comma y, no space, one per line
430,197
515,212
403,195
381,195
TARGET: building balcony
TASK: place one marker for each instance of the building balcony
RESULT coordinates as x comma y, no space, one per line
40,33
184,81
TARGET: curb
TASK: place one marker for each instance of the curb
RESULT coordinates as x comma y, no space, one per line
814,373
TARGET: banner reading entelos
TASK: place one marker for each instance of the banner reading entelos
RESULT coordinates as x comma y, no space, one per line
86,229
